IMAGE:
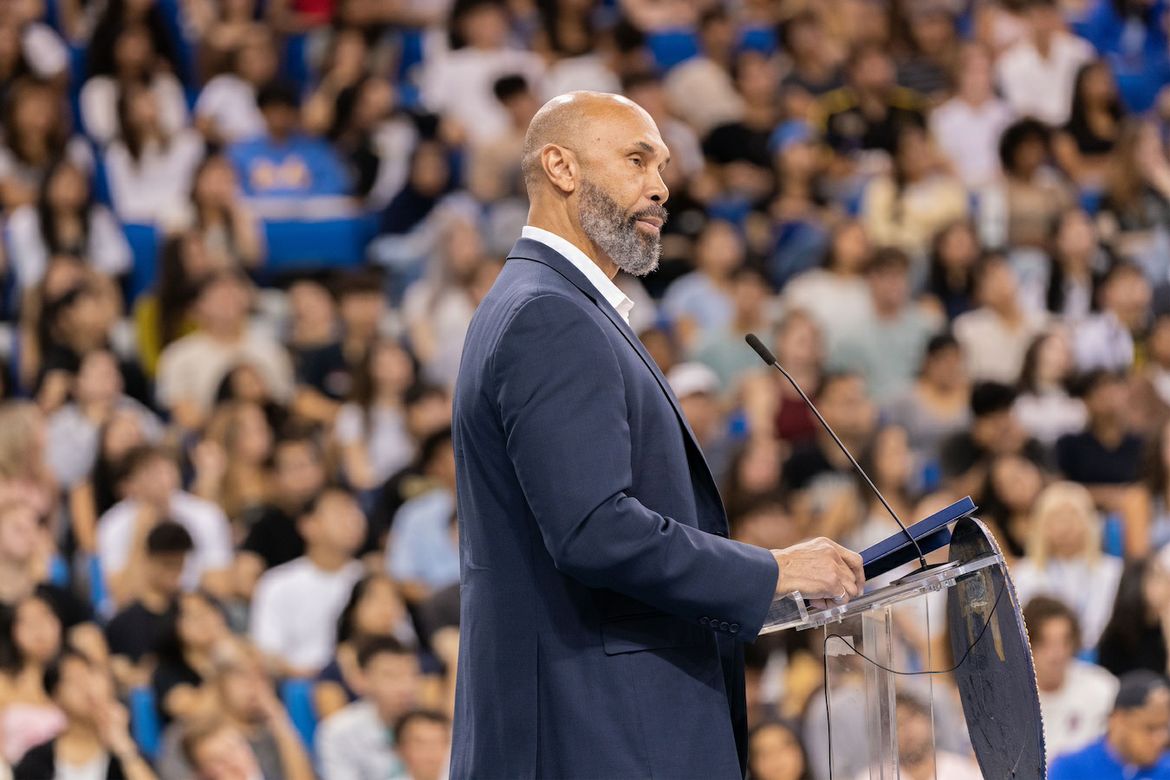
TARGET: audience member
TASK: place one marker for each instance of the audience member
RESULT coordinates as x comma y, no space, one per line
1063,559
1105,455
1038,73
1075,696
996,335
1135,740
360,740
295,605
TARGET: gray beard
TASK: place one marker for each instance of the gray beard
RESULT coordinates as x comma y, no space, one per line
616,233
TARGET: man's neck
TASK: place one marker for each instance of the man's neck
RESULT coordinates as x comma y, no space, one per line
1108,432
563,228
327,560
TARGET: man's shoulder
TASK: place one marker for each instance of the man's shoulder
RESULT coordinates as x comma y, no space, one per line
1083,764
357,716
1091,679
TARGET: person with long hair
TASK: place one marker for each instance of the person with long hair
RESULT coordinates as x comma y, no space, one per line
30,638
906,208
1045,407
835,295
191,632
950,277
776,752
1011,486
375,608
1083,146
1135,209
1079,262
93,496
1063,558
226,109
129,54
230,231
1145,506
149,167
1136,634
36,135
65,220
233,460
371,428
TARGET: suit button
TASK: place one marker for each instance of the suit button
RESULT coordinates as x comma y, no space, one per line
724,626
734,627
704,621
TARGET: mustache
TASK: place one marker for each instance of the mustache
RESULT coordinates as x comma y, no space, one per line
653,211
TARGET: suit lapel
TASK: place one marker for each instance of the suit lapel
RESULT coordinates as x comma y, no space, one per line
529,249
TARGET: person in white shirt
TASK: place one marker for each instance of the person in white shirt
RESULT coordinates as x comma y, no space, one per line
191,368
295,606
1063,558
996,335
152,492
135,60
357,742
1105,340
968,126
1076,697
226,110
149,168
1036,75
458,84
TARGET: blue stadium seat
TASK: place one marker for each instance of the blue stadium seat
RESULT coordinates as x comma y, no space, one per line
670,47
761,39
327,243
59,571
1113,536
297,696
145,726
144,247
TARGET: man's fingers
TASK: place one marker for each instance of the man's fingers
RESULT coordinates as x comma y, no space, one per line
847,586
853,561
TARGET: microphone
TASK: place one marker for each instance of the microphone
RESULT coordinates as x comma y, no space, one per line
767,356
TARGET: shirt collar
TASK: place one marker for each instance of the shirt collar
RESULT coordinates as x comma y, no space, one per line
610,291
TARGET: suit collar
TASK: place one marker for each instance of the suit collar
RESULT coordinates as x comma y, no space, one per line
528,249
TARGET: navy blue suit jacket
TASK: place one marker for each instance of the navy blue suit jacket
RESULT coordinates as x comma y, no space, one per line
602,604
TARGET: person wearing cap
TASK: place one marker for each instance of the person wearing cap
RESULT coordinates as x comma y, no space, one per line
1135,742
697,389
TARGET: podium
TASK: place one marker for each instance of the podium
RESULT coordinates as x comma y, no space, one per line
874,685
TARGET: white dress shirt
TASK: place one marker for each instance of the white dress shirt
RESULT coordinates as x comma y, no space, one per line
1042,87
611,292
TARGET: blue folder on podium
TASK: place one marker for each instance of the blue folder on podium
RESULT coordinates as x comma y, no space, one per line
932,534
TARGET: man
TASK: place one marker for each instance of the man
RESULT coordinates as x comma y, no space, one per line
994,430
96,741
1075,696
218,750
968,127
843,399
133,632
887,346
421,555
296,605
1106,456
245,699
1134,745
697,389
284,162
918,759
1108,339
152,493
601,600
1036,75
357,743
423,740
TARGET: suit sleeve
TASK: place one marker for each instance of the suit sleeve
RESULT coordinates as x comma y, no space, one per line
562,404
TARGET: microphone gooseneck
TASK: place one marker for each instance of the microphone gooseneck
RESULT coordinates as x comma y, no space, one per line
767,356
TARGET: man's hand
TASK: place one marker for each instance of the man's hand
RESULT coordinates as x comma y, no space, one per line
821,570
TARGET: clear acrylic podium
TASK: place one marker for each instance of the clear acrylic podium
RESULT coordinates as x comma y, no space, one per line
890,629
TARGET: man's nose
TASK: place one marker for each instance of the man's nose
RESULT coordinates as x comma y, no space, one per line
659,192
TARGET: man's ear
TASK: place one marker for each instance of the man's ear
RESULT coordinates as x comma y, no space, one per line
561,166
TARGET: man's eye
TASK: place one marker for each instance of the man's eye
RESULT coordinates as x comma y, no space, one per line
637,161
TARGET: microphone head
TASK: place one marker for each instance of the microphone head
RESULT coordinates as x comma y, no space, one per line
764,353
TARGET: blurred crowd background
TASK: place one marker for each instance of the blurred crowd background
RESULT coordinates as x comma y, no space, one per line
242,241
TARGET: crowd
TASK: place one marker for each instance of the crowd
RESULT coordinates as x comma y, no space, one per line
228,532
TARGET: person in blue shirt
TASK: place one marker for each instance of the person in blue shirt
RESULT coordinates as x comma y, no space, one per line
1135,743
284,161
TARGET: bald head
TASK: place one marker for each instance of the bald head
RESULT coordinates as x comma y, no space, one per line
572,120
593,168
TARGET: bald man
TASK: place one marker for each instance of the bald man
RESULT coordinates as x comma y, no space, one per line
603,606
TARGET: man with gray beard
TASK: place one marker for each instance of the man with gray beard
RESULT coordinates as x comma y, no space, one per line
602,605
